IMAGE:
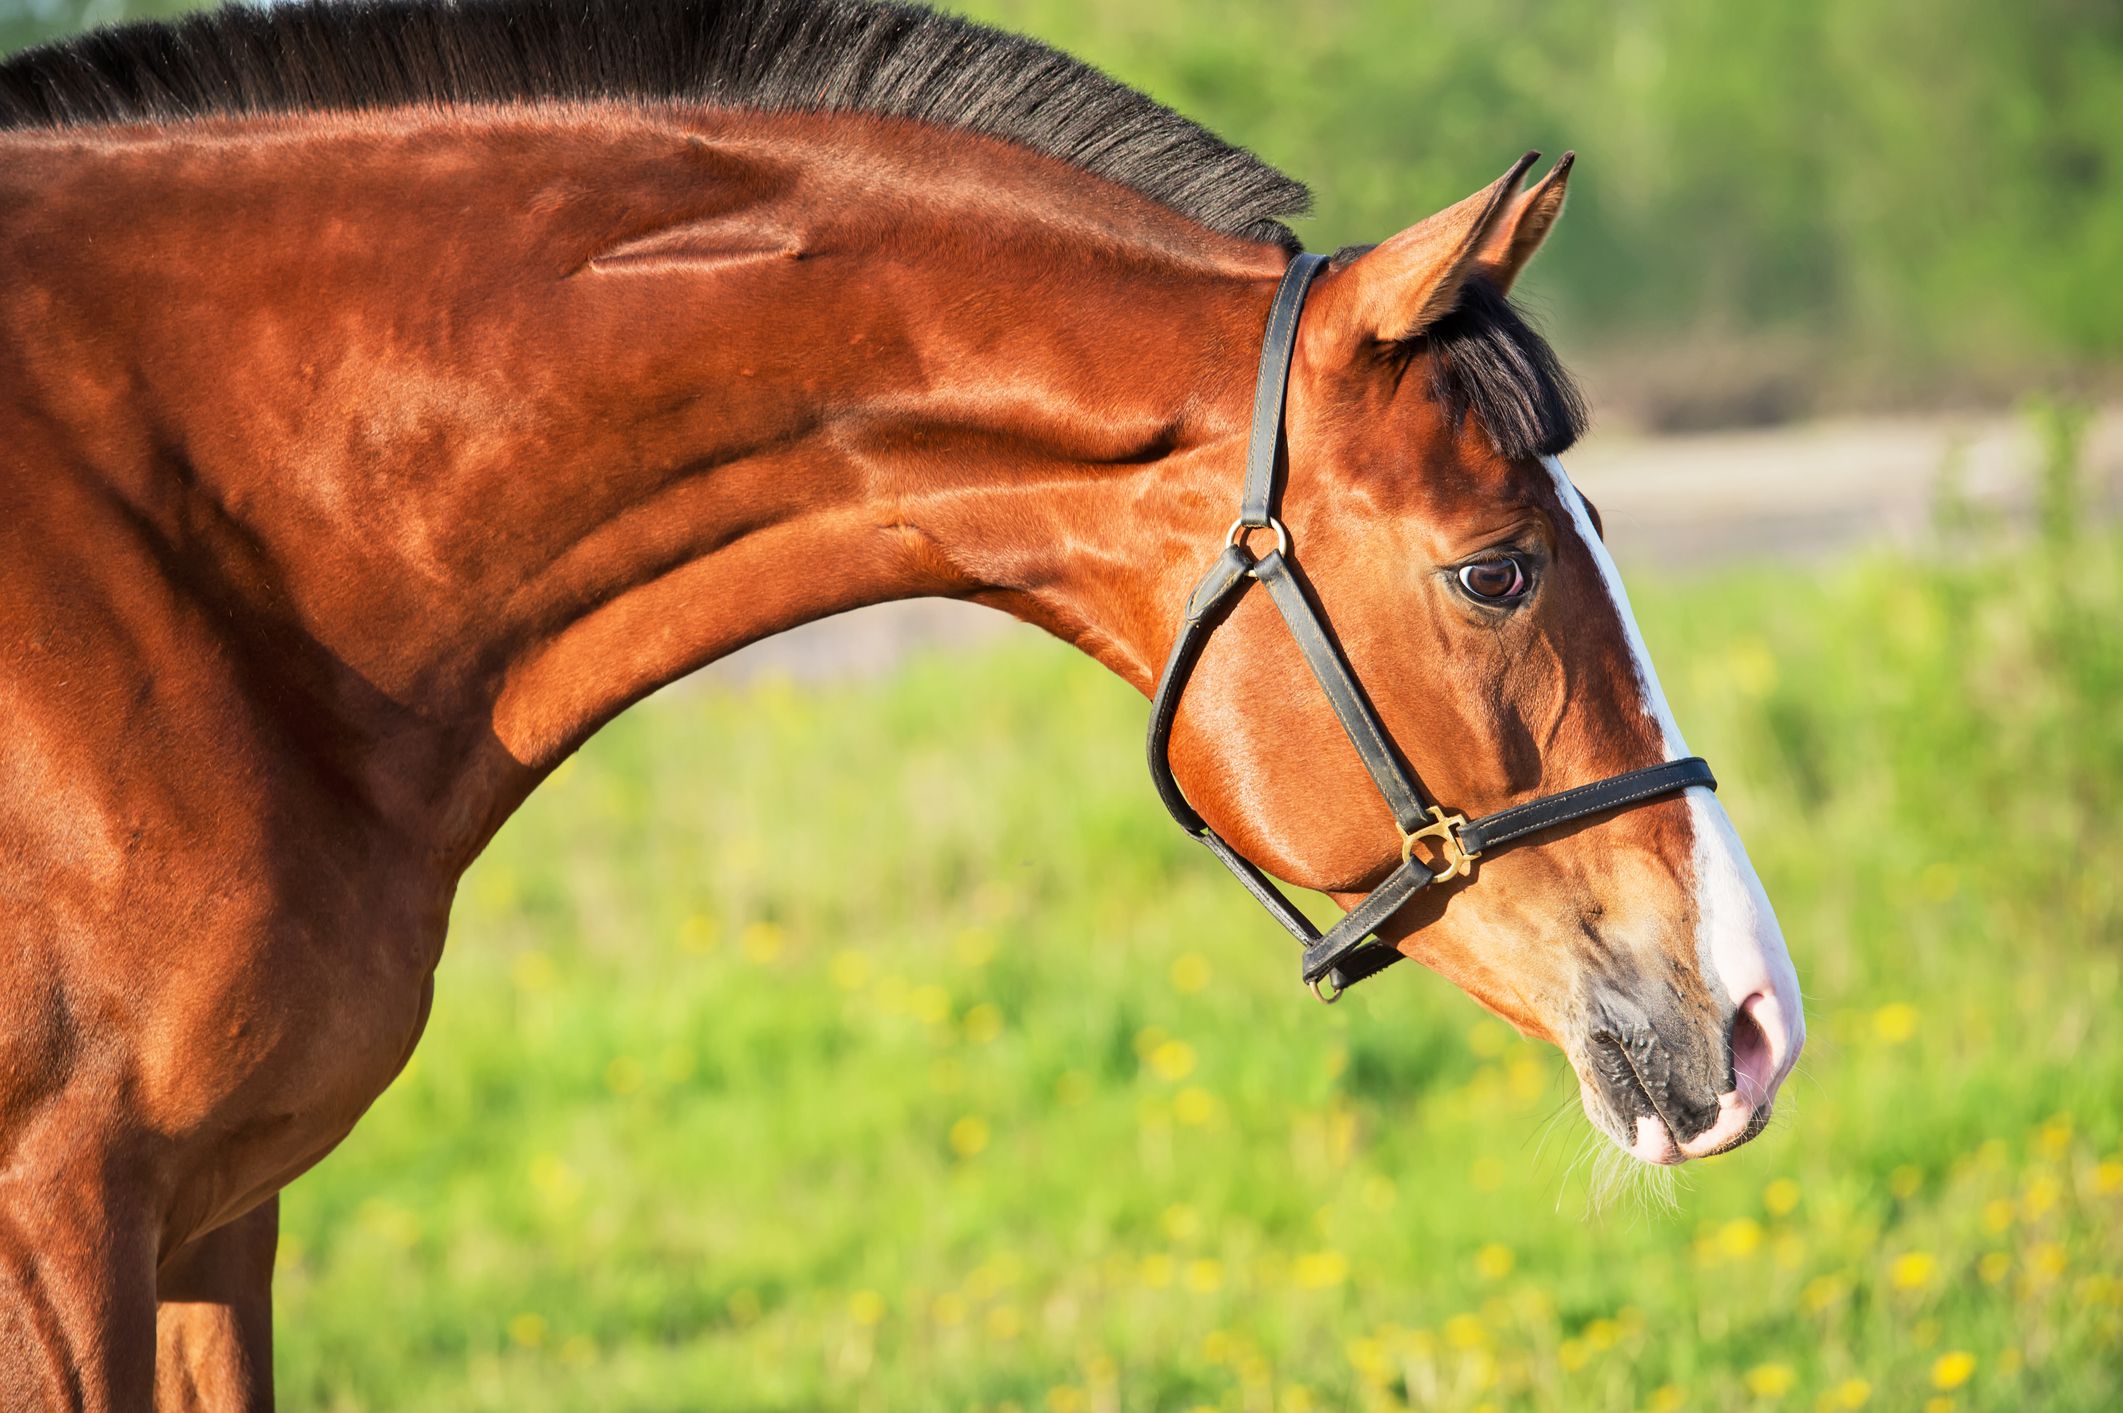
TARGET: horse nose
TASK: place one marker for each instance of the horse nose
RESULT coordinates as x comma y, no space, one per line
1763,1045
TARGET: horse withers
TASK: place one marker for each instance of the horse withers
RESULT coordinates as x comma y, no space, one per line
392,393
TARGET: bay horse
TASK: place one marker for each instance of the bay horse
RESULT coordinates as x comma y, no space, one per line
391,393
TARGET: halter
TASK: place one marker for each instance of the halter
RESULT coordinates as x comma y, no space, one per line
1348,951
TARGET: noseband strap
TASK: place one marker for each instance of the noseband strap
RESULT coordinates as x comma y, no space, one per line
1347,952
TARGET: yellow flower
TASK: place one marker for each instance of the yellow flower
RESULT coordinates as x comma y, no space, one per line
1602,1334
1771,1380
1173,1060
848,970
948,1309
2108,1176
1190,973
1780,1197
1317,1270
1667,1398
527,1330
1205,1275
2040,1197
1155,1272
1951,1369
1180,1222
2054,1137
1740,1238
969,1136
1494,1261
1193,1106
983,1023
1822,1292
762,942
1066,1398
1912,1270
866,1307
577,1352
1853,1393
1998,1215
2046,1259
1465,1332
1004,1322
974,947
931,1004
1380,1194
1572,1355
1895,1022
1993,1266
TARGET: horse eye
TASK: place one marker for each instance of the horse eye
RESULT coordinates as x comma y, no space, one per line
1498,579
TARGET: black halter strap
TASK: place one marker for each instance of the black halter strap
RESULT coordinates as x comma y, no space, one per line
1342,956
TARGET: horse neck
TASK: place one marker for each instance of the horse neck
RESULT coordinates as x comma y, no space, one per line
515,418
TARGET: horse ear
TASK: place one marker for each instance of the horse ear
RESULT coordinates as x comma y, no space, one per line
1398,288
1519,231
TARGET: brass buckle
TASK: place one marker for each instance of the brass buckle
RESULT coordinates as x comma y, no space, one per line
1445,829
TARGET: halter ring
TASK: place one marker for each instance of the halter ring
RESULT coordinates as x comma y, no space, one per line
1236,535
1445,829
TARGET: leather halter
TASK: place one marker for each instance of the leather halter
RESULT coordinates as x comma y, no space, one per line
1347,952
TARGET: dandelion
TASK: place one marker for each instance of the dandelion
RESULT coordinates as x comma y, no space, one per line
1952,1369
1780,1197
1667,1398
1193,1106
1572,1355
948,1310
1993,1267
2054,1137
1852,1393
1465,1332
2040,1197
1155,1272
1822,1292
2108,1176
1066,1398
930,1003
698,934
969,1136
1173,1060
1190,973
1380,1194
2046,1260
1319,1270
1602,1334
1005,1323
1494,1261
534,971
1205,1275
762,942
983,1023
974,948
1771,1380
866,1307
1740,1238
1998,1214
1913,1270
578,1352
1895,1022
527,1330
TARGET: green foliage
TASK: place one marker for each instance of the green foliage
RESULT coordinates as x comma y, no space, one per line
1927,188
884,1047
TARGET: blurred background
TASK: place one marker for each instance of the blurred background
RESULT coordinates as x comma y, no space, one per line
797,1047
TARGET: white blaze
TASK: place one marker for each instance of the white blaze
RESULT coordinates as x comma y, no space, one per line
1739,946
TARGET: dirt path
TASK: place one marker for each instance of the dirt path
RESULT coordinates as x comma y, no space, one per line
1681,503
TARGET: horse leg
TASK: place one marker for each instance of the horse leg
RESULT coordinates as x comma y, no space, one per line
214,1326
77,1288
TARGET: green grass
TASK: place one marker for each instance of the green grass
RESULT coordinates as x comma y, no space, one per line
884,1047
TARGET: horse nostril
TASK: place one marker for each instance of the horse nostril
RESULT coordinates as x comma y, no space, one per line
1756,1045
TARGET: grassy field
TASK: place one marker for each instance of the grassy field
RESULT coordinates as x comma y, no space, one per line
811,1049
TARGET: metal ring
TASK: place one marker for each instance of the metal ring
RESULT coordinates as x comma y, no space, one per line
1325,998
1236,535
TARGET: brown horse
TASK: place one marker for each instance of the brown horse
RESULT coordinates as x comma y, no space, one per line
391,394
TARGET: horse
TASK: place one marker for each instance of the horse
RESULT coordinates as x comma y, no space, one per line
396,391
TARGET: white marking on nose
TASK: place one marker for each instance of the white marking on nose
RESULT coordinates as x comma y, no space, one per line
1739,946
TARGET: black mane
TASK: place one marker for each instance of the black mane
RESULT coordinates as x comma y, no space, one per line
814,55
1487,360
